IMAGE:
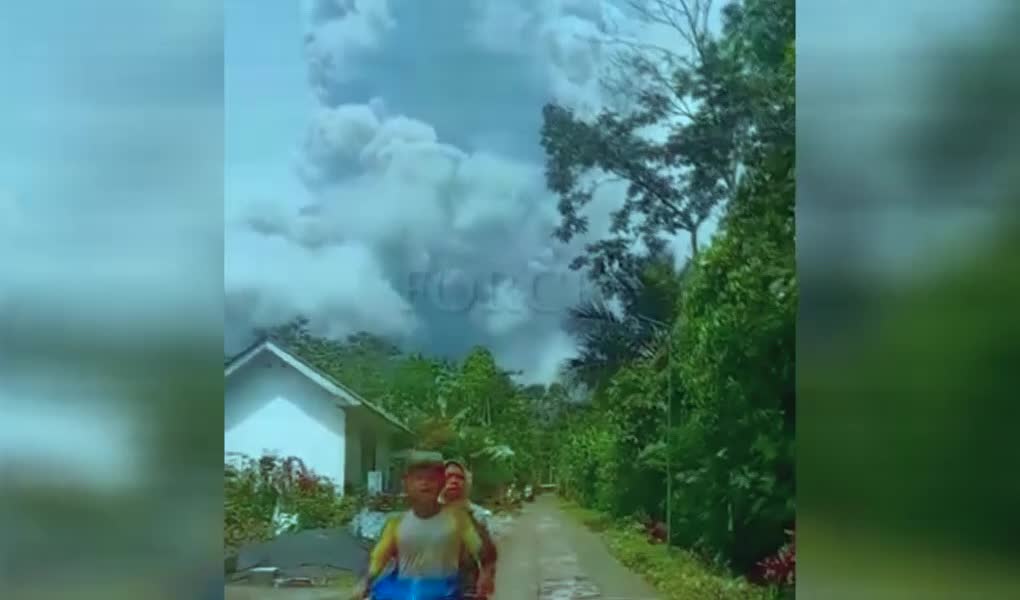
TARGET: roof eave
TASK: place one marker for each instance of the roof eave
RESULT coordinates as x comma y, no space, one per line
334,387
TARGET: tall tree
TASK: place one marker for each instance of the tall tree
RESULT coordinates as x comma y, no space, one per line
610,335
682,143
483,384
363,361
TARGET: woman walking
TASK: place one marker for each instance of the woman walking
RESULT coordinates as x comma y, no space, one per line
477,576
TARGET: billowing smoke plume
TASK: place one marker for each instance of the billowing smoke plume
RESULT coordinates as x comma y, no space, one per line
429,219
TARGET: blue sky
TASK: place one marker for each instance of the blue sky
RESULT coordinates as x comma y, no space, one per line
266,97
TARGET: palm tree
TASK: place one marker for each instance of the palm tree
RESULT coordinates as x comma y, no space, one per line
624,323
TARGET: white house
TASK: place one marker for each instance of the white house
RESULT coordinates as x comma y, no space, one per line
277,403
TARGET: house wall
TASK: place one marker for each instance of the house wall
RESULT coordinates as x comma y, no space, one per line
368,446
382,460
271,407
352,470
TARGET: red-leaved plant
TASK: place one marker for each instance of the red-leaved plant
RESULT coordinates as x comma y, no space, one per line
780,569
655,530
256,487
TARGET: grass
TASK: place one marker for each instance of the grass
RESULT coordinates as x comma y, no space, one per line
678,575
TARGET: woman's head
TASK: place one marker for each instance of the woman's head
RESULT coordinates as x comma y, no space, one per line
456,481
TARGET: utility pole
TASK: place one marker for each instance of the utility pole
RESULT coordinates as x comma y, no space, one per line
669,452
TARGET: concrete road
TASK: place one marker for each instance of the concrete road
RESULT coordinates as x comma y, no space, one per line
547,555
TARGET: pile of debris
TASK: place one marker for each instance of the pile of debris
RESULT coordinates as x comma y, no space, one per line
368,524
310,557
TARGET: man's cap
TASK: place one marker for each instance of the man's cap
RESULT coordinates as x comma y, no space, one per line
414,459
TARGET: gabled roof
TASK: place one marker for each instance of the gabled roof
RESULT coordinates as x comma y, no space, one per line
320,378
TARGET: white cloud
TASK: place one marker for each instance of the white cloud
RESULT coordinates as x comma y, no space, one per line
540,362
342,32
505,309
564,39
493,191
408,186
341,288
394,196
337,135
398,201
501,26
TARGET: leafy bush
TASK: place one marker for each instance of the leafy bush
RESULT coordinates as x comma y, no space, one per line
731,365
636,409
724,364
383,503
317,505
780,569
734,440
678,575
585,463
254,489
249,500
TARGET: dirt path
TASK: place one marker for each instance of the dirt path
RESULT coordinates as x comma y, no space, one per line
547,555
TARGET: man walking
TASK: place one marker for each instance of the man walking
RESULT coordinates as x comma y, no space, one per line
418,554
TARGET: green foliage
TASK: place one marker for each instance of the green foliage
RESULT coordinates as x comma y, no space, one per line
636,412
678,575
710,348
722,108
319,506
248,508
608,338
255,489
734,443
585,462
470,409
480,415
723,371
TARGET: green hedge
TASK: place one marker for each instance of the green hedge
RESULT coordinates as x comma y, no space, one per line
678,575
253,488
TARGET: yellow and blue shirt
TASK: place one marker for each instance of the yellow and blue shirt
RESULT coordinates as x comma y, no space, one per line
425,548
